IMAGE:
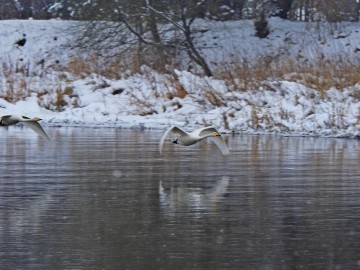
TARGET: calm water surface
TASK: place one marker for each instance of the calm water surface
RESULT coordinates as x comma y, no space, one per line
106,199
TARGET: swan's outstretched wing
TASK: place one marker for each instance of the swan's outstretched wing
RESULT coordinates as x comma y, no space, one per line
174,131
35,126
219,141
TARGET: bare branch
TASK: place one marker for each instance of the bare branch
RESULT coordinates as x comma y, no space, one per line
163,15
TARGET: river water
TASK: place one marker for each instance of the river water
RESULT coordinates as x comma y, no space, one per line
106,199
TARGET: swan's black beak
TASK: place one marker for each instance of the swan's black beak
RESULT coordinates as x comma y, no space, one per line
176,141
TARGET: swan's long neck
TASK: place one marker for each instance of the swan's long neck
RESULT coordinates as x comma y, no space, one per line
206,136
29,120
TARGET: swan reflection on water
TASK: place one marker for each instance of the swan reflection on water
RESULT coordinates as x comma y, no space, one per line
195,200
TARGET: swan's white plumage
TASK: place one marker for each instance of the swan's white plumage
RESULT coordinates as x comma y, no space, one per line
8,120
186,139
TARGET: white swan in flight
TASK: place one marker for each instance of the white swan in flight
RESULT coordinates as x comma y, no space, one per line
8,120
183,138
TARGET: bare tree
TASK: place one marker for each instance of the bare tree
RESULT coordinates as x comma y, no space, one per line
158,28
184,15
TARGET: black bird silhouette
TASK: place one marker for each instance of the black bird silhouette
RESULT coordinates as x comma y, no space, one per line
21,42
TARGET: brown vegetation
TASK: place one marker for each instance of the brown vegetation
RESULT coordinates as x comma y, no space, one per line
320,74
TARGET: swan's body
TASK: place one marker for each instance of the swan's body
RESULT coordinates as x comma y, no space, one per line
183,138
8,120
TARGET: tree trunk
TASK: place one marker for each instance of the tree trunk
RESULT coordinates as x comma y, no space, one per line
159,46
193,53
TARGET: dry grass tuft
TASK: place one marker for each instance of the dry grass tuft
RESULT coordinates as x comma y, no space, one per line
173,87
213,97
107,67
320,74
63,97
60,100
15,89
79,67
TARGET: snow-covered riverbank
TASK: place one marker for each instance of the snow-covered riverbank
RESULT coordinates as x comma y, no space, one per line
149,99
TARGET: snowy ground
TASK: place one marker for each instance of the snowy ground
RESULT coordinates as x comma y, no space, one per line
148,100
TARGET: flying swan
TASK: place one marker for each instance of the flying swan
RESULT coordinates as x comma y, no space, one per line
8,120
183,138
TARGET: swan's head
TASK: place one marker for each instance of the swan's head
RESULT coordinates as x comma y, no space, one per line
216,134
